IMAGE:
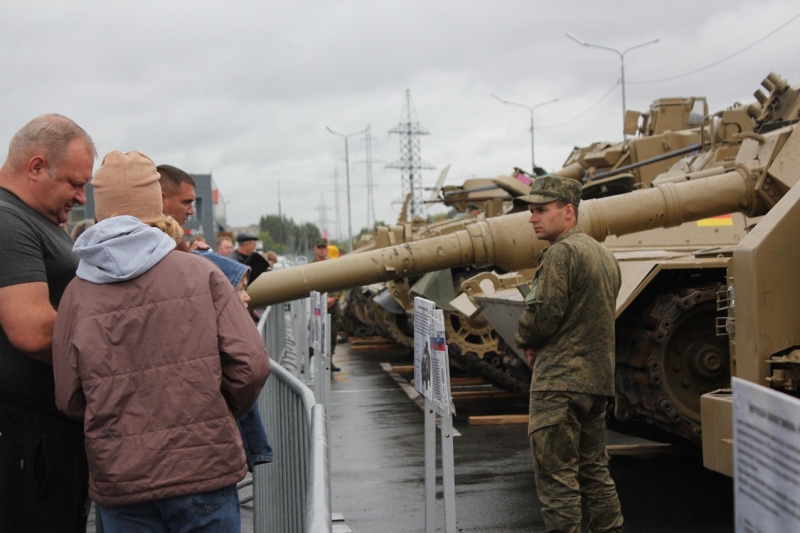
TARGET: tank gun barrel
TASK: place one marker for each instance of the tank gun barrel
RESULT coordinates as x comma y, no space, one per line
450,199
645,162
509,242
463,192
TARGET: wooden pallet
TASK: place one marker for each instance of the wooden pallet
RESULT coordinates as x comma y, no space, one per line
496,420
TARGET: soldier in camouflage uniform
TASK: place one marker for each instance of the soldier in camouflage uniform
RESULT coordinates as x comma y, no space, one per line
567,334
334,308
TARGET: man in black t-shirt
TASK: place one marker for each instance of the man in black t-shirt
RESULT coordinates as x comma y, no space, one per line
43,472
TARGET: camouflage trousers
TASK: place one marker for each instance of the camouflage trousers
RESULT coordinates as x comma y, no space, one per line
336,324
568,445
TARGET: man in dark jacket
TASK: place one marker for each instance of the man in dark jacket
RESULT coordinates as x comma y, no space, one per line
245,245
567,334
43,476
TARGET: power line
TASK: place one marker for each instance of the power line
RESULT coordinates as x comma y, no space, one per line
411,163
337,212
573,143
323,216
576,117
228,178
367,161
715,63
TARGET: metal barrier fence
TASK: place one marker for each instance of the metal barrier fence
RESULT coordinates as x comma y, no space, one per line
318,499
291,494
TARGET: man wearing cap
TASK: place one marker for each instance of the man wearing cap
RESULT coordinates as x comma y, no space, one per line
43,472
567,334
321,254
246,245
320,249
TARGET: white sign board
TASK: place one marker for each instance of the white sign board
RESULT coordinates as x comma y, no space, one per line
323,312
316,328
312,322
423,316
431,363
440,366
766,457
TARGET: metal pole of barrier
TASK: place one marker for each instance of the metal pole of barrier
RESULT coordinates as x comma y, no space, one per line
287,492
280,487
318,500
430,467
292,342
301,338
448,477
318,364
297,338
326,379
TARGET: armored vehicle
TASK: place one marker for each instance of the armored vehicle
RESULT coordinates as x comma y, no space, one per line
667,133
387,309
669,356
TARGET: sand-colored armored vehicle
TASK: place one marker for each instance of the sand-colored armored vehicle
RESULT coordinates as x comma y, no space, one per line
673,128
669,355
664,135
663,372
387,309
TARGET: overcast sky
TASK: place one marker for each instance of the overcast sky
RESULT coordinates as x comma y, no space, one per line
244,90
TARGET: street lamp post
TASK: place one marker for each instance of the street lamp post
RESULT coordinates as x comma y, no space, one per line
622,65
347,173
529,108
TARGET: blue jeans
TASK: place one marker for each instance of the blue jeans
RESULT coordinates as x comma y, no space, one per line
254,436
206,512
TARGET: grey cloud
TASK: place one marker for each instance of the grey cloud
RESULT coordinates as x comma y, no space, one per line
245,89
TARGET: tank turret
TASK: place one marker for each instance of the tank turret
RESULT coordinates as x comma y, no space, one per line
508,243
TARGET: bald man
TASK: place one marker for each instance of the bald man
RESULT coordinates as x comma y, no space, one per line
43,472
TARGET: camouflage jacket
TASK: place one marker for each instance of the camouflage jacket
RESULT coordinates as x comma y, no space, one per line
336,310
569,316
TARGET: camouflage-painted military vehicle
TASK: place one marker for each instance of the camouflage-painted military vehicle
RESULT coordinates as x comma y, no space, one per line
668,353
680,332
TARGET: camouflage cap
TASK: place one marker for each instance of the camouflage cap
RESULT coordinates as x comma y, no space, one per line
321,241
551,188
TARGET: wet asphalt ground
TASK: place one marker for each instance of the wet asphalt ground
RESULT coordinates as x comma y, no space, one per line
377,438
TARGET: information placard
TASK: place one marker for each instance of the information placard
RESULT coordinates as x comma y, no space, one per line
423,320
766,456
316,326
313,322
431,363
440,365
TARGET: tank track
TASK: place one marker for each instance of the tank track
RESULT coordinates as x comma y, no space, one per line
357,317
665,364
507,376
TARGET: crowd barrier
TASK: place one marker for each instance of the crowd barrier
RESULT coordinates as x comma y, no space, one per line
291,494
